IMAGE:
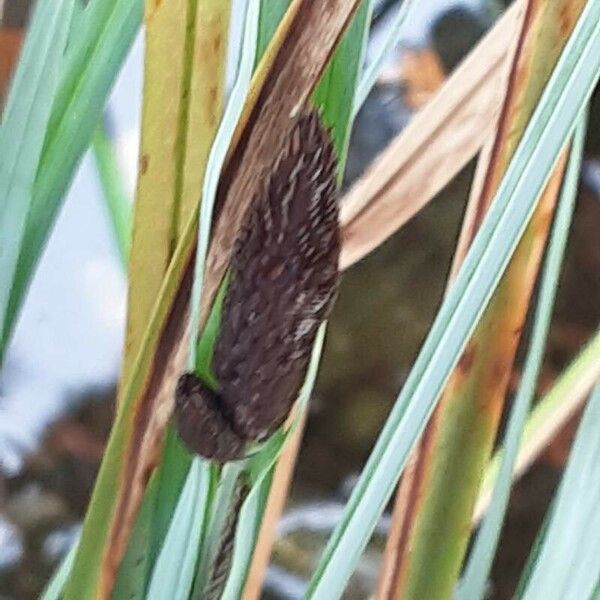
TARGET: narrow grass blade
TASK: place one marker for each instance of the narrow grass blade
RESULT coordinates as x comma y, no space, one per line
374,68
199,554
271,14
216,158
169,32
174,571
568,90
97,46
200,120
117,204
132,576
250,524
184,82
567,566
535,550
218,514
171,476
183,96
24,126
54,589
27,77
339,82
184,79
475,576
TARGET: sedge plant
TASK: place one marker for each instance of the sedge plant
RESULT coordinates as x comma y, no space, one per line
157,517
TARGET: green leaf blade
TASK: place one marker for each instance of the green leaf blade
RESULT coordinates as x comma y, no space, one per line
567,565
23,132
89,70
173,574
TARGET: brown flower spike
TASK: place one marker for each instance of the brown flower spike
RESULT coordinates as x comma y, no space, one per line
283,283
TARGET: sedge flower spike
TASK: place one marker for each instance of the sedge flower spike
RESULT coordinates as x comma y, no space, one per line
283,282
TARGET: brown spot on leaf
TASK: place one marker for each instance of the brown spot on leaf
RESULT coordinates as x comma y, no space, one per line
501,371
144,161
566,20
213,107
467,359
151,7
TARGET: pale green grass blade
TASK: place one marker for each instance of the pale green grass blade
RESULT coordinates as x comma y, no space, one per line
78,12
96,49
374,68
27,78
568,90
231,115
245,537
219,512
132,577
171,476
535,550
568,558
55,586
27,112
117,204
475,576
23,131
175,567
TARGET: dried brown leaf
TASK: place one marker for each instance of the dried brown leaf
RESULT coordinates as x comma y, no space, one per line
434,147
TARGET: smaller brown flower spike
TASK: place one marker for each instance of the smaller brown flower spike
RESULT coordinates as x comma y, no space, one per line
283,283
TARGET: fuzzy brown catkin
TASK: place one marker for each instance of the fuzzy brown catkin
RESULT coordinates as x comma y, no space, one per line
282,284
